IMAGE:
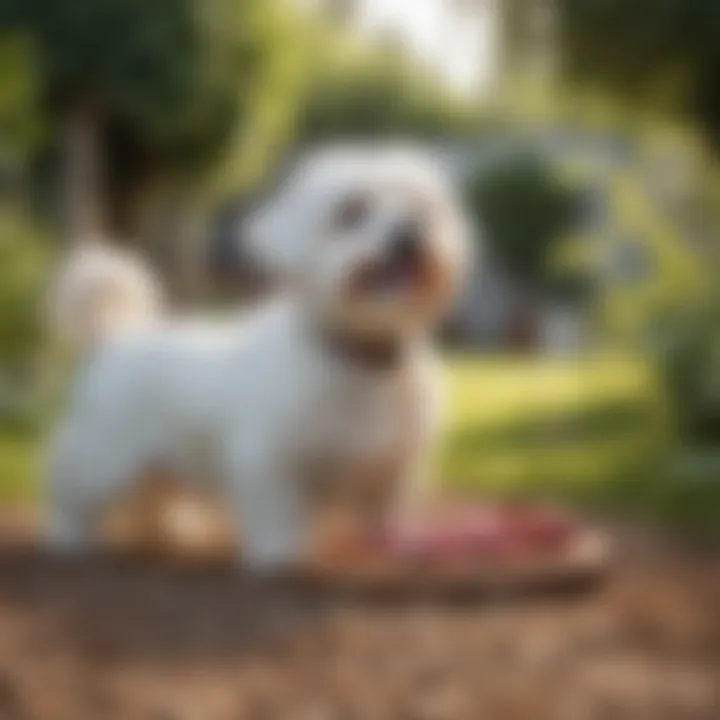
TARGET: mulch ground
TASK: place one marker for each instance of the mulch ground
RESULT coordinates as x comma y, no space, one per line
108,639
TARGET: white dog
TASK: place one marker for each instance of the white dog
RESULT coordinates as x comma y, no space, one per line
331,386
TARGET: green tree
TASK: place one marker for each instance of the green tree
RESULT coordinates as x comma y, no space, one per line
357,89
134,91
524,209
23,262
20,127
664,55
651,53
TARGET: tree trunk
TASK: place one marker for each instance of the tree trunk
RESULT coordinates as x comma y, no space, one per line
190,278
83,174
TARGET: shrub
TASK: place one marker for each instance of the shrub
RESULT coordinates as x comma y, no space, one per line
23,266
524,208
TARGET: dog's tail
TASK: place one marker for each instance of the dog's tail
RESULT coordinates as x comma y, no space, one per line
101,291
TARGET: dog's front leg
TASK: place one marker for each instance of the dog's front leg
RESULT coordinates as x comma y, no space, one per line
269,513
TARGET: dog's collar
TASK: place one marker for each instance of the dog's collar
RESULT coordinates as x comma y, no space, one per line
369,354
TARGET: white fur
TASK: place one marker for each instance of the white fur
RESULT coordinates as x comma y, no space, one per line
102,291
254,408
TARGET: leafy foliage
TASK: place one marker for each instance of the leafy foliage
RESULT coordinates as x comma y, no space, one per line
168,80
379,94
688,353
524,209
167,66
23,264
20,126
656,52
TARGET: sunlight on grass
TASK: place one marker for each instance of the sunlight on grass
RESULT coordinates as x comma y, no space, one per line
516,423
19,460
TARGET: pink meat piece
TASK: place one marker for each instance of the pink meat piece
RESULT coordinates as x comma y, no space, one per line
479,532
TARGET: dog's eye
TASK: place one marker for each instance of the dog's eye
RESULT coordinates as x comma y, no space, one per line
351,212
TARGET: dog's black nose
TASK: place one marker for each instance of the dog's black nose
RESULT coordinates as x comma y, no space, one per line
406,242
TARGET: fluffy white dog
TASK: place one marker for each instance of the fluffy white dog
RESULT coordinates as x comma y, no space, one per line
330,388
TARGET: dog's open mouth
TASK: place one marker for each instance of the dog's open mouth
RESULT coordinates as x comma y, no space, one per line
394,277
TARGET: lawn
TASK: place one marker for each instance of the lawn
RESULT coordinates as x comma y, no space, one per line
514,423
594,431
19,467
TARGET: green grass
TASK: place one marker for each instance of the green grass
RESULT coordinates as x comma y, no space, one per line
596,432
19,460
518,423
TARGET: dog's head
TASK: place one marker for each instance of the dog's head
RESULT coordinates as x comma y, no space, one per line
371,240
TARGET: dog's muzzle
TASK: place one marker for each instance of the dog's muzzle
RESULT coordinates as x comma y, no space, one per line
402,268
406,245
